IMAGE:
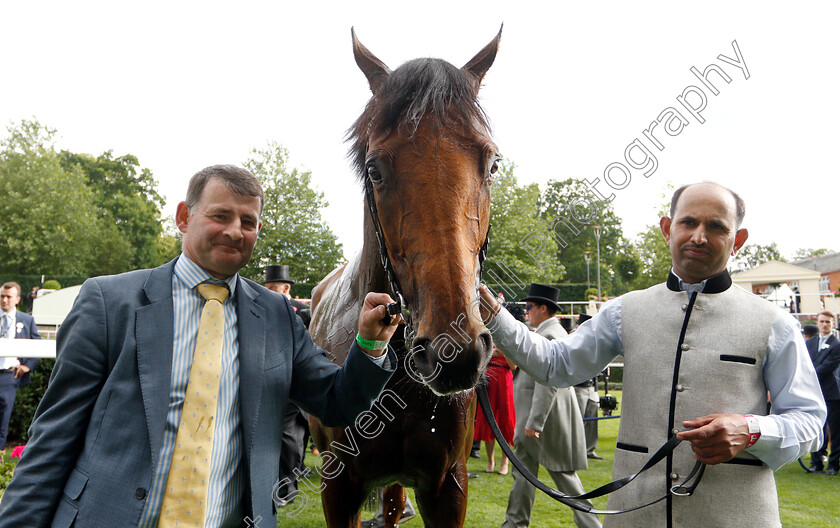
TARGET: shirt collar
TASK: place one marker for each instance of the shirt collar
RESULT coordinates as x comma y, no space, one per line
191,274
716,284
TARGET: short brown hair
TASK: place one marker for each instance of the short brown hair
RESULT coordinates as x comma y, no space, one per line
826,313
11,284
239,180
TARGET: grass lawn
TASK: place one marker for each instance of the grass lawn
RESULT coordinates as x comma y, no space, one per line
806,501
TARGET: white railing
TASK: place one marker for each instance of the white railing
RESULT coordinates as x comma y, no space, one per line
27,348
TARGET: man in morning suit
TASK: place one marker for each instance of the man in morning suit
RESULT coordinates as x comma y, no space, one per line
295,424
549,427
110,445
700,356
14,372
824,350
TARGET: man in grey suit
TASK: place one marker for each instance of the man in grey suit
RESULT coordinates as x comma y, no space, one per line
105,432
549,426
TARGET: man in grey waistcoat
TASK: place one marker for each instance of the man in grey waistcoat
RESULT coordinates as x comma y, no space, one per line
703,375
549,426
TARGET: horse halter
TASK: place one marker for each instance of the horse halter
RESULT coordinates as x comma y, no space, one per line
400,306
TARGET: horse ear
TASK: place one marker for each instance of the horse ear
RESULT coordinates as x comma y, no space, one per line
478,65
374,69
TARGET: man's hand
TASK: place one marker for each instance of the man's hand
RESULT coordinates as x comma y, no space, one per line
20,371
716,438
531,433
489,305
370,321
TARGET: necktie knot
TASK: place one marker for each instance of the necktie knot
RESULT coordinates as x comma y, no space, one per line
213,292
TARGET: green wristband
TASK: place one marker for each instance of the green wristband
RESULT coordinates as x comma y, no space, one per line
376,346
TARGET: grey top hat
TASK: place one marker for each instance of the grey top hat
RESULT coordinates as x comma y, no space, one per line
278,273
542,294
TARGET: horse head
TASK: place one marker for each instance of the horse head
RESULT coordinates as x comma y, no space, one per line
424,150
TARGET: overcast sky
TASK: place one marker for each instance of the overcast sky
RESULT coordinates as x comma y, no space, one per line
183,85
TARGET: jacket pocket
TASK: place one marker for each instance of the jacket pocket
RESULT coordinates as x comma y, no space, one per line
68,506
738,359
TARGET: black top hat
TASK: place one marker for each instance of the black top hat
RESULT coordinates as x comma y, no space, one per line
542,294
810,329
278,273
582,318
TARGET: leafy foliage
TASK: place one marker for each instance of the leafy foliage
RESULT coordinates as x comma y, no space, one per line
125,196
650,250
64,215
521,248
27,400
752,255
293,231
573,212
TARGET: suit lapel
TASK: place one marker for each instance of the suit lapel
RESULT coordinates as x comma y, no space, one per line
252,334
154,332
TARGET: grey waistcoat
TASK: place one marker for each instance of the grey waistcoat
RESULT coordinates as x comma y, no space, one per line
684,361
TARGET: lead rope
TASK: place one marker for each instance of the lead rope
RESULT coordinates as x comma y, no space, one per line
685,489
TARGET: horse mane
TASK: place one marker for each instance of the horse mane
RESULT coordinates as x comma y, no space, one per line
418,88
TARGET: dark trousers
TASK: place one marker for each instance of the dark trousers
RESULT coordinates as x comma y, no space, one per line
295,431
8,392
831,429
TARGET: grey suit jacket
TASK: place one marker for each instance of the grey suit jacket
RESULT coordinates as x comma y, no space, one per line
554,413
98,430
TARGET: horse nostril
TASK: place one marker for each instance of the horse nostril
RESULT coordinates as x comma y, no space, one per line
486,342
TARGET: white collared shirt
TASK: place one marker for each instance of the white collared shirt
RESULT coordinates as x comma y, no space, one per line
9,362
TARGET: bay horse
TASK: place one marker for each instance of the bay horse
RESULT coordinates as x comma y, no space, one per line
423,150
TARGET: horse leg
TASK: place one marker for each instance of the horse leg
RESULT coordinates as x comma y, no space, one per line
342,499
445,506
393,504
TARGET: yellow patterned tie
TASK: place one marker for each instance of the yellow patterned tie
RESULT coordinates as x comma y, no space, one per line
185,495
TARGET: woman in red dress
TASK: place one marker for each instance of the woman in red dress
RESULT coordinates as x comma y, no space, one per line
500,392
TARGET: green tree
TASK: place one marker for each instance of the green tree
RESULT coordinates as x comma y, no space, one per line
654,257
573,211
650,250
125,196
522,249
293,231
51,223
752,255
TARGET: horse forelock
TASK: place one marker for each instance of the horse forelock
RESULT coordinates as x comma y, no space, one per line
418,88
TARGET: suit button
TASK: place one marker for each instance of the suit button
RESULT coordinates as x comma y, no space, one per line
674,431
684,347
679,388
684,307
140,493
674,476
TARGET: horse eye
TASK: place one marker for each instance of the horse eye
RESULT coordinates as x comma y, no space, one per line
373,173
495,168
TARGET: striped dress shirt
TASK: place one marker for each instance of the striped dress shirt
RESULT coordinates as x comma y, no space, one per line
224,492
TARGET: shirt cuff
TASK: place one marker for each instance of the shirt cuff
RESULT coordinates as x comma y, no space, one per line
379,361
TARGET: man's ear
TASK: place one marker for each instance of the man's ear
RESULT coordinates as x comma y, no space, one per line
740,239
665,226
182,216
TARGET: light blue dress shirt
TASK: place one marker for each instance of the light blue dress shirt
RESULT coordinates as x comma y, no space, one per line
793,430
226,486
